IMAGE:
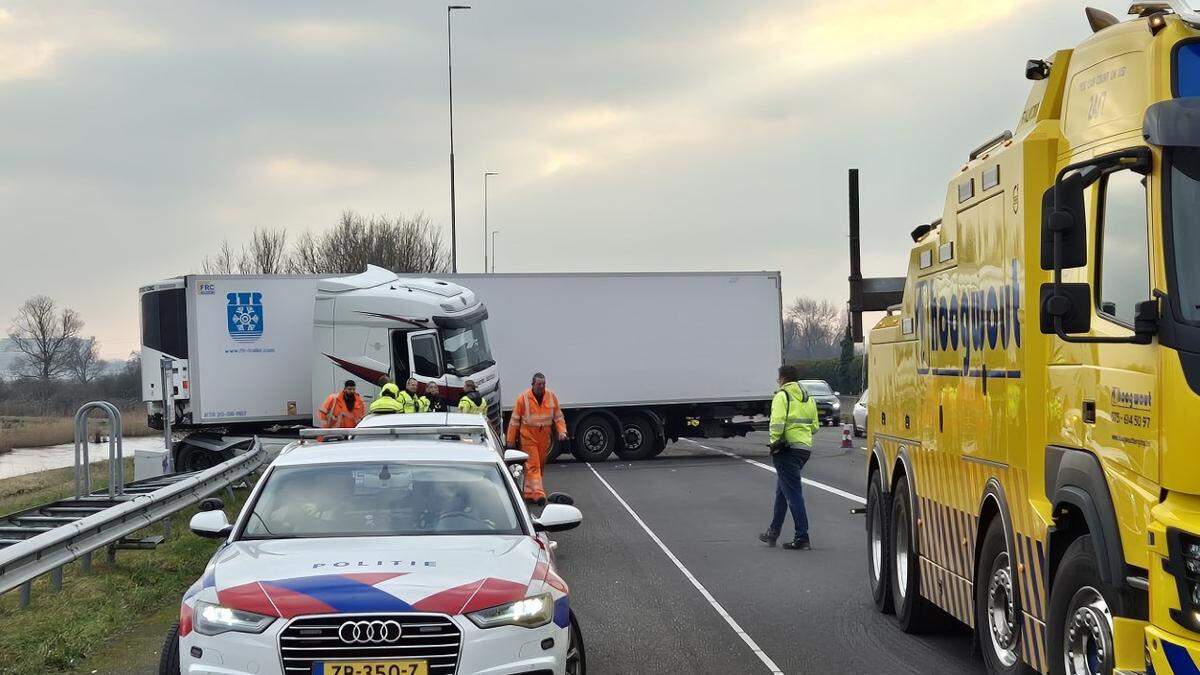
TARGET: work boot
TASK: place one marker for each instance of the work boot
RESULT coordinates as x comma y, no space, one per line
768,539
798,545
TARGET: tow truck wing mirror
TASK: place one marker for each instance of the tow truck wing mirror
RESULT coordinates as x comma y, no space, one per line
1063,215
211,524
1072,302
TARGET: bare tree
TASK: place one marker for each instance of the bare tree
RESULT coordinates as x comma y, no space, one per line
401,244
44,335
83,360
815,328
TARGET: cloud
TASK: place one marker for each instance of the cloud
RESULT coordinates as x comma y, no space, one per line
323,34
23,56
31,47
296,172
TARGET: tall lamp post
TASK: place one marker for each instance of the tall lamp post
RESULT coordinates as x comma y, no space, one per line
486,175
494,233
450,72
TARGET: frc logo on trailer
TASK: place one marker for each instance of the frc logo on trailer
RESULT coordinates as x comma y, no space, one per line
245,316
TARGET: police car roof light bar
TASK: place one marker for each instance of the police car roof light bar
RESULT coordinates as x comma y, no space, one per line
396,432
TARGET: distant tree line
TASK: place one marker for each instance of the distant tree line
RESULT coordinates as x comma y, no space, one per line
817,339
57,368
401,244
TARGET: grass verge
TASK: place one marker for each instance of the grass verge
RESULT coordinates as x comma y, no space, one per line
99,614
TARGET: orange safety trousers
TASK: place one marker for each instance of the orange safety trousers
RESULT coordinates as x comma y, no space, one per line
531,428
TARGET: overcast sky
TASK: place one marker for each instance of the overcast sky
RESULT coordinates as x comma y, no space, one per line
631,135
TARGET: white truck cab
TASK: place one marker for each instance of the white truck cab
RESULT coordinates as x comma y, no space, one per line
251,354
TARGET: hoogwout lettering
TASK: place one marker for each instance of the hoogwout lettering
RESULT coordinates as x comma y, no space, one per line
968,320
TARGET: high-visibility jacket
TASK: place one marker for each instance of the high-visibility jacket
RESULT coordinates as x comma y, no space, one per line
387,401
473,403
335,414
413,402
793,416
532,424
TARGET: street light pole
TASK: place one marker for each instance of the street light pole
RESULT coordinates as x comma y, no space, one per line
450,73
486,174
494,233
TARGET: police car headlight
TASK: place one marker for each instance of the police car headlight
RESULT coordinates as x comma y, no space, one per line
210,619
530,612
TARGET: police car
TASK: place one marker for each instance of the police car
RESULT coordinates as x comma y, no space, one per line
403,550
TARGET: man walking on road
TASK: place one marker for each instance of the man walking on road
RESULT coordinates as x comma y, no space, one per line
529,429
343,409
793,422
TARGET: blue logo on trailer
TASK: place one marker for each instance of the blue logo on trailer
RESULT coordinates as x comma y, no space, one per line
245,316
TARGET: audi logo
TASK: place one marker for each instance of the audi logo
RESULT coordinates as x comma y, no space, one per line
369,632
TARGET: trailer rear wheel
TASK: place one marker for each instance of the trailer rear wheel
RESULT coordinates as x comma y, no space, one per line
595,439
191,458
638,438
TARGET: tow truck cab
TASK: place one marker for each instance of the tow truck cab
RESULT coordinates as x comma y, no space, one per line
1048,342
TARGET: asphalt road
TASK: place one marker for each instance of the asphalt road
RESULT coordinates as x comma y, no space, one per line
720,601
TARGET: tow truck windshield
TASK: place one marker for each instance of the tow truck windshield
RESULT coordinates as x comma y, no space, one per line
467,349
371,499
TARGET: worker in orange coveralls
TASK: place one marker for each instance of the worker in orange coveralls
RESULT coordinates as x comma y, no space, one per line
535,416
342,409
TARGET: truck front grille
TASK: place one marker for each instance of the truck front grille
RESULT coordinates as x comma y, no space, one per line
429,637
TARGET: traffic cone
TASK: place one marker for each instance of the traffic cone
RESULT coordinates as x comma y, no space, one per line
846,440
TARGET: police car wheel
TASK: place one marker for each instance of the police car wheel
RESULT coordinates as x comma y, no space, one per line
1079,634
576,656
168,663
914,613
877,546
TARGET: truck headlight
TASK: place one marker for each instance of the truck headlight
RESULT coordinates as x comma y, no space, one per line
531,612
211,619
1184,565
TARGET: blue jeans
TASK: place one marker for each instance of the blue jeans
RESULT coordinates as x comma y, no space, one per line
789,492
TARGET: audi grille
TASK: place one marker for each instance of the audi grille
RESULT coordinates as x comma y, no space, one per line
430,637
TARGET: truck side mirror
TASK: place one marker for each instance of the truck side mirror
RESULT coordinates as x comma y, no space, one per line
1070,302
1064,217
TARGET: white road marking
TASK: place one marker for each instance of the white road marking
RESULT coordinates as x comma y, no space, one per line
768,467
762,656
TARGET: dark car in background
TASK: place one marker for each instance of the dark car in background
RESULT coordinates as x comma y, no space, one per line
829,406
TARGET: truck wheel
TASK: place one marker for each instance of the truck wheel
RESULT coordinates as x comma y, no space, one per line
660,444
595,439
914,613
1080,630
877,546
637,438
168,662
997,604
191,458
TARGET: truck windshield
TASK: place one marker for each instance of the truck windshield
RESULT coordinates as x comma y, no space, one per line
467,349
362,499
1185,229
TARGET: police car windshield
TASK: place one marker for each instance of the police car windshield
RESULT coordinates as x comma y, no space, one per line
467,348
362,499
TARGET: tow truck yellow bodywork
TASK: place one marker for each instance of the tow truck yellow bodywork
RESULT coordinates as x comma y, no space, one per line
983,417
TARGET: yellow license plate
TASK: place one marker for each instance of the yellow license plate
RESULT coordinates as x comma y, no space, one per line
373,668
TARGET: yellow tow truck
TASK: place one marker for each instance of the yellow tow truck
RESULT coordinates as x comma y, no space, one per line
1034,424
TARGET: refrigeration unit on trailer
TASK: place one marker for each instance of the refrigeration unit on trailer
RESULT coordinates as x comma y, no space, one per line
254,354
637,359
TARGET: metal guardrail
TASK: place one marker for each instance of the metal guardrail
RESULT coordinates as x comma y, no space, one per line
48,552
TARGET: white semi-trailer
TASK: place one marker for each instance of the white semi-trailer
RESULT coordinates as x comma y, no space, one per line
259,354
639,359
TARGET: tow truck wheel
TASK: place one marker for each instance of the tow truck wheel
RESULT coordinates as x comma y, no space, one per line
595,439
1080,631
576,657
877,546
914,613
637,438
168,663
997,604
